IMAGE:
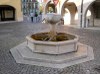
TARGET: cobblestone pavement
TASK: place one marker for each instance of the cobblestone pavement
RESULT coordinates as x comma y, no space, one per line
12,34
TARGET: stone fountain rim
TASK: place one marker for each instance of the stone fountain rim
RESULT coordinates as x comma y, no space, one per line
51,42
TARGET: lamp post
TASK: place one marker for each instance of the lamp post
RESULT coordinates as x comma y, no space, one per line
81,14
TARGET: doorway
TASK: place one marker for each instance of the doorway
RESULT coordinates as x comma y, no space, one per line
7,13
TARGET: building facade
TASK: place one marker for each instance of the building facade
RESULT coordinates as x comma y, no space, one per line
83,13
10,10
29,6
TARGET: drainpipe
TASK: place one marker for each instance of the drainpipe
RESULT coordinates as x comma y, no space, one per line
81,20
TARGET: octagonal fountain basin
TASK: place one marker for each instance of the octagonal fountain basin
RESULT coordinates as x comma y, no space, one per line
63,44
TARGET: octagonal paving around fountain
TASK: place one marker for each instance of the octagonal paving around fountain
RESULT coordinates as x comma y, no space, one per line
22,54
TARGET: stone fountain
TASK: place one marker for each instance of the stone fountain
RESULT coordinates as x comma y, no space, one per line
52,43
52,49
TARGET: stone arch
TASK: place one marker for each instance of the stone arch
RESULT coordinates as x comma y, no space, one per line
71,6
87,18
7,13
95,17
85,10
49,4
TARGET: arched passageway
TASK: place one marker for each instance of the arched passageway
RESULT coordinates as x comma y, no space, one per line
69,13
50,8
92,15
7,13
